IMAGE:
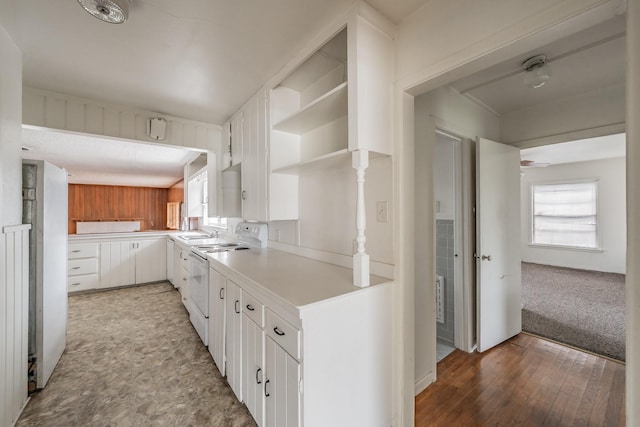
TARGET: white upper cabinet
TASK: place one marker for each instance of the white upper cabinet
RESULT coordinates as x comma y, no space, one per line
254,158
235,138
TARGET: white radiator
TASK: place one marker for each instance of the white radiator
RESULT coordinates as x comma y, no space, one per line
439,299
14,321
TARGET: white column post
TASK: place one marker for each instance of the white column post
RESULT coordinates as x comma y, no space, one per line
360,258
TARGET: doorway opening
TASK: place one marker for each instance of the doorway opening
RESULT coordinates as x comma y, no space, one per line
448,230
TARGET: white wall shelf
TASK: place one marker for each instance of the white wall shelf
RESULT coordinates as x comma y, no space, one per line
332,160
328,161
330,106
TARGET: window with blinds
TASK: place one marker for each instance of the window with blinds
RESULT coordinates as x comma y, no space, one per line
565,214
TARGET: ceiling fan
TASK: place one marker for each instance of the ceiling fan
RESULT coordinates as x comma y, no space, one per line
525,164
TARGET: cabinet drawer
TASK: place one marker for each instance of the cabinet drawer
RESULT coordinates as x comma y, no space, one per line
82,250
184,259
253,308
76,267
285,334
82,283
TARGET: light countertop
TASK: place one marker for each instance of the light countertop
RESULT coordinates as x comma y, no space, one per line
298,280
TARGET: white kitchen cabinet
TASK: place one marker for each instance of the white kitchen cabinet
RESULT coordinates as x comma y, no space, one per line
82,266
151,261
254,158
233,334
183,272
117,263
132,262
316,327
217,321
253,357
236,140
170,256
281,387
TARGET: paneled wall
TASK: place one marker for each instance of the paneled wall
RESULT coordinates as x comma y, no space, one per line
14,300
59,111
105,202
176,192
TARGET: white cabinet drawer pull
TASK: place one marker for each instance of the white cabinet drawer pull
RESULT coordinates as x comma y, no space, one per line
221,293
76,251
266,393
258,378
250,307
237,306
278,331
75,284
75,268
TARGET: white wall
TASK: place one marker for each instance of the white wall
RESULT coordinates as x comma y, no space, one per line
611,215
59,111
13,299
444,169
328,210
443,107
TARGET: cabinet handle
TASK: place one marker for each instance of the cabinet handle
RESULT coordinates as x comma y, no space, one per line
75,268
76,251
266,393
221,293
184,279
258,380
244,195
278,331
237,305
250,307
75,284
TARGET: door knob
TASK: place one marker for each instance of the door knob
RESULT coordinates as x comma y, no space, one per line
487,257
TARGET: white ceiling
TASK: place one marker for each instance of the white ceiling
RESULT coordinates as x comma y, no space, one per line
196,59
583,150
588,60
102,161
584,62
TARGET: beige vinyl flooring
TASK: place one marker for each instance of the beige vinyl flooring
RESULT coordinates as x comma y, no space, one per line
133,359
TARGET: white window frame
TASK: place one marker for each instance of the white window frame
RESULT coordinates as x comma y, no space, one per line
598,239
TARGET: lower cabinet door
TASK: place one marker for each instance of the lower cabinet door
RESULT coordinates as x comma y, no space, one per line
217,285
234,338
281,387
252,368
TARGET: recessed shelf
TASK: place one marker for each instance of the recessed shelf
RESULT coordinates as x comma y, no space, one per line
325,109
332,160
327,161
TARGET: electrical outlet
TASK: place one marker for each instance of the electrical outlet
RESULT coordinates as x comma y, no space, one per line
381,210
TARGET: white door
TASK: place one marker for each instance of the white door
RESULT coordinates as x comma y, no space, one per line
282,397
252,372
234,338
217,283
499,290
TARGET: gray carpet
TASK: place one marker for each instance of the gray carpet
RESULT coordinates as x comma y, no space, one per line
581,308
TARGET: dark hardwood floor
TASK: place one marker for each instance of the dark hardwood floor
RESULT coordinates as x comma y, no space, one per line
526,381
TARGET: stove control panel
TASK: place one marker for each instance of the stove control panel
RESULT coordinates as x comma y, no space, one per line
253,233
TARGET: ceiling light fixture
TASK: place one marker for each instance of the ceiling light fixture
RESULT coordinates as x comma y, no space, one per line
536,71
111,11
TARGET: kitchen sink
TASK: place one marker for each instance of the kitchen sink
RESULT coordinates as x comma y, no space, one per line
192,236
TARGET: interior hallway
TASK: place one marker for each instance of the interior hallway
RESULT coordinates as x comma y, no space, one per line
526,381
133,359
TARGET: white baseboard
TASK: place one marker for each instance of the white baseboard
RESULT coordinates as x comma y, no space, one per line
424,382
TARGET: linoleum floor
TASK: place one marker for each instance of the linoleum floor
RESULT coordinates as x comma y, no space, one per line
133,359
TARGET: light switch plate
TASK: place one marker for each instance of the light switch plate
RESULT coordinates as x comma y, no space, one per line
382,211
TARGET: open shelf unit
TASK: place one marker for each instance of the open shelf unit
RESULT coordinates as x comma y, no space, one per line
309,112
